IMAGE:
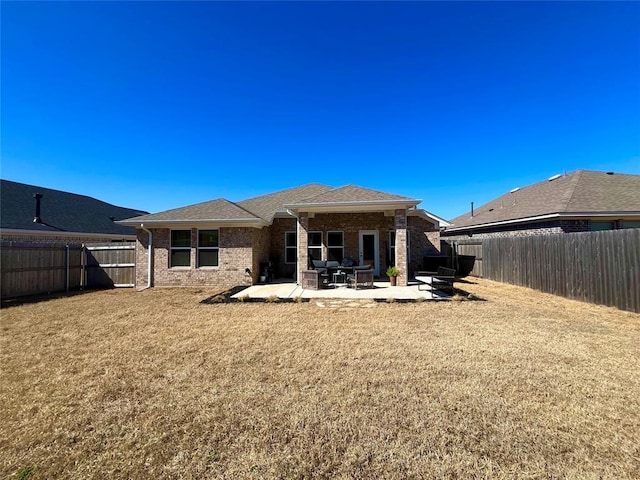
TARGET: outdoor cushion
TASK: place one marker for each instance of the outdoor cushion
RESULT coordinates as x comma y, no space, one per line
319,263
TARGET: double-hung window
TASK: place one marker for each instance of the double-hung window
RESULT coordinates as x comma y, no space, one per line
208,248
315,245
392,246
180,248
335,246
290,247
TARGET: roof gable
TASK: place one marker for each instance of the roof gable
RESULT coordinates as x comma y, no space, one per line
60,211
579,192
267,206
354,194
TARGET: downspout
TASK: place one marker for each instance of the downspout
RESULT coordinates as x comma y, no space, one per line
150,243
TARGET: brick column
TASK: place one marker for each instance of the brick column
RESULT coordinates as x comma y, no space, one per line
401,247
303,247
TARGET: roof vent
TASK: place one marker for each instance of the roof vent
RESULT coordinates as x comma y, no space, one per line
516,189
551,179
609,173
36,218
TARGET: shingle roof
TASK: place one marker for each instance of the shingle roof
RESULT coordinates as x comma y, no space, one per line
59,211
582,192
214,210
353,194
266,206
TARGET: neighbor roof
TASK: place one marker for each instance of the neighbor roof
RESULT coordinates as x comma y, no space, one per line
60,211
579,193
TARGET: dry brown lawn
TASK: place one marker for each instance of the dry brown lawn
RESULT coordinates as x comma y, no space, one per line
154,384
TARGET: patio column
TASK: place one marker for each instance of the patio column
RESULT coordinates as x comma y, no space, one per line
401,247
303,240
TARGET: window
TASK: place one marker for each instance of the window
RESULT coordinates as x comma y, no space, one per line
290,247
335,246
630,224
392,247
597,226
208,241
180,248
315,245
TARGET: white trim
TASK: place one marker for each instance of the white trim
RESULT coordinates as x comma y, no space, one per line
172,248
117,265
315,247
199,223
209,249
114,247
376,249
568,215
294,247
335,246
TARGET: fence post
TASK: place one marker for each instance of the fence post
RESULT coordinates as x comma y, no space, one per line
67,275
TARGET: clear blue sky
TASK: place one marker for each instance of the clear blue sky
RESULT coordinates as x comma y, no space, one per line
156,105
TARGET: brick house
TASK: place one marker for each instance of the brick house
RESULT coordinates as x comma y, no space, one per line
580,201
43,216
225,243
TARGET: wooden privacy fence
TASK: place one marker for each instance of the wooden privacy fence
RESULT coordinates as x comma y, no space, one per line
597,267
35,269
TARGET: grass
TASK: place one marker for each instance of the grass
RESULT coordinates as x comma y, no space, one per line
155,384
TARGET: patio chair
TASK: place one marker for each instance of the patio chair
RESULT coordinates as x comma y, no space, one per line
360,278
440,280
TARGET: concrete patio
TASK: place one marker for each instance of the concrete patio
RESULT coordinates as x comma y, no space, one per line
381,291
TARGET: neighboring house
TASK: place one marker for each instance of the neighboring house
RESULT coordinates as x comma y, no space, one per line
31,214
580,201
226,243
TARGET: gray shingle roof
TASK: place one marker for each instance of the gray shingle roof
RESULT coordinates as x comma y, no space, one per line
214,210
60,211
582,192
266,206
353,194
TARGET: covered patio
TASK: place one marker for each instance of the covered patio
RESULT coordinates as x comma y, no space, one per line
382,291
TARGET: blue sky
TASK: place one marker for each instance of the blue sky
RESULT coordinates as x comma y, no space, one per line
156,105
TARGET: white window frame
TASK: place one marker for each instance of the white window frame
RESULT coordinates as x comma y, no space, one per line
392,246
315,247
199,248
172,248
329,247
293,247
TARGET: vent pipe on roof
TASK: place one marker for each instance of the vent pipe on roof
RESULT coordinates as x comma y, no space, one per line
471,209
38,197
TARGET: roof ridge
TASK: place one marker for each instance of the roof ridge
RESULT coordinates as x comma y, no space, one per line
570,192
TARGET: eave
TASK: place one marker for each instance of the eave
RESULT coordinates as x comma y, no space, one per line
550,216
362,206
212,222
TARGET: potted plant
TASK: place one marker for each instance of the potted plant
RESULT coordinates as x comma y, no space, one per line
392,273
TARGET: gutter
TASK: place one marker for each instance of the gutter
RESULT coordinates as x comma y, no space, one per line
150,255
567,215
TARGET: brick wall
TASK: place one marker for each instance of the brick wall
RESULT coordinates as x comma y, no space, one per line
235,255
539,228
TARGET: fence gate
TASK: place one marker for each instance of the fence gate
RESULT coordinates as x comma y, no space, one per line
109,264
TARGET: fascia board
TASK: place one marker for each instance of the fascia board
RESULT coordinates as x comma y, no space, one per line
564,215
